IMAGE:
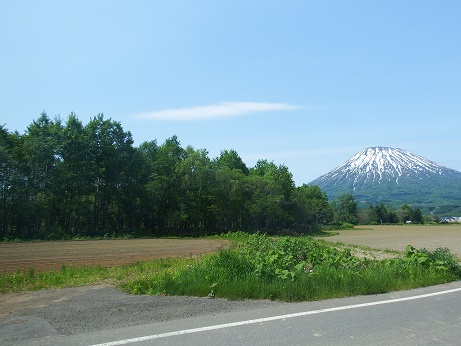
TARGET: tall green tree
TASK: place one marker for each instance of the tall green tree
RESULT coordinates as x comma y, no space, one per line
384,214
150,198
10,178
231,193
270,191
405,213
311,207
231,160
417,216
75,178
41,154
346,209
111,154
197,205
166,184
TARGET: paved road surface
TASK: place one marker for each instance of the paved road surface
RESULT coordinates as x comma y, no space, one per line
428,316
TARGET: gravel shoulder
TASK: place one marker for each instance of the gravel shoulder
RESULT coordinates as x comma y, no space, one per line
39,315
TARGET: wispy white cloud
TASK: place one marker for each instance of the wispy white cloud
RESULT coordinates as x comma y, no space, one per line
218,110
304,153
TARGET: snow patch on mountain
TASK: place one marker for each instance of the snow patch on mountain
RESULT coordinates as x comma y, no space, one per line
373,165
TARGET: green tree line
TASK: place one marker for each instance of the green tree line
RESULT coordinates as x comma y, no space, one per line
63,179
384,214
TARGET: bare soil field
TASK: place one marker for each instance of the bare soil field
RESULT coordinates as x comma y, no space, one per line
44,256
397,237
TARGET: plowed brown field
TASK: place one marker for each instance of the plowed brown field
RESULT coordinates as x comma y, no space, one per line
397,237
52,255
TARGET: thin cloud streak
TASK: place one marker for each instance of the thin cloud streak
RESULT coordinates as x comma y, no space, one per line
219,110
302,153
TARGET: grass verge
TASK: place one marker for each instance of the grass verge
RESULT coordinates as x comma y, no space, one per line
69,276
297,269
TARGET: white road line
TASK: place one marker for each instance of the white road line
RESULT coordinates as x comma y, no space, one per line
273,318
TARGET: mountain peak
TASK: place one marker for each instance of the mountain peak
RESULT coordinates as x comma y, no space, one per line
377,163
391,175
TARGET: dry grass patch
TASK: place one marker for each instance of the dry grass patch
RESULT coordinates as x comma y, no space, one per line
397,237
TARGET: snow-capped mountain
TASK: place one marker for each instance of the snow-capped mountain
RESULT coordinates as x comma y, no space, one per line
371,165
393,176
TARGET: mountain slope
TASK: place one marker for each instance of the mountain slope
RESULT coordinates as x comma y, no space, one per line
393,176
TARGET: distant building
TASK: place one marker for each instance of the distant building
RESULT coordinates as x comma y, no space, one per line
450,219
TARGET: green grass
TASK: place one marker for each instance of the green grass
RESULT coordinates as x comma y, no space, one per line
69,276
260,267
296,269
325,282
29,280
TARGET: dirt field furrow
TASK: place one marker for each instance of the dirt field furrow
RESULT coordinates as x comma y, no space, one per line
52,255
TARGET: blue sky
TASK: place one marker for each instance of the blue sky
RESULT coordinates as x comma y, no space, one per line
303,83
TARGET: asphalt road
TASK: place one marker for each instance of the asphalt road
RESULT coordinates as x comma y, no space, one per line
427,316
